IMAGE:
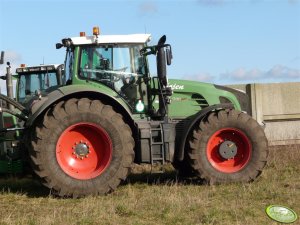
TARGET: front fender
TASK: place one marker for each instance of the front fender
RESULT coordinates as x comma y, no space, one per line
40,106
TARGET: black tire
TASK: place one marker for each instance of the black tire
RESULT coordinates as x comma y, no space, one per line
204,152
46,148
184,169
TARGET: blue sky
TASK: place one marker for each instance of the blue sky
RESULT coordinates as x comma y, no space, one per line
218,41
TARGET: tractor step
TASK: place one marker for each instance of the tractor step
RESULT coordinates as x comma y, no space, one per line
157,148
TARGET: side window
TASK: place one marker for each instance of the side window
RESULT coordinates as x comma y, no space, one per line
69,65
48,80
122,60
22,82
96,63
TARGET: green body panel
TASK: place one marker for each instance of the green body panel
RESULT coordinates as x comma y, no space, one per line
189,97
10,161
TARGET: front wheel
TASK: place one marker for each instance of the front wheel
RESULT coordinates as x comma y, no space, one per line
228,146
82,147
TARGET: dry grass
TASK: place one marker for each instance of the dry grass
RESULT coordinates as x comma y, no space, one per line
161,199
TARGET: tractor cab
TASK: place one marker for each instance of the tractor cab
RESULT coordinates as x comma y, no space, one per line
37,80
119,67
120,63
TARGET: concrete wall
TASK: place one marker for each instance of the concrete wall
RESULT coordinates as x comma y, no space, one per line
278,106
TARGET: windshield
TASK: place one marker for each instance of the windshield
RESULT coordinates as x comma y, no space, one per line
120,67
112,65
29,83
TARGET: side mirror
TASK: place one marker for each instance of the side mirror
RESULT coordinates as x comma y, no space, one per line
59,45
161,66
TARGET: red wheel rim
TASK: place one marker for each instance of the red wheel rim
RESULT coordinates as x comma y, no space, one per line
242,146
84,150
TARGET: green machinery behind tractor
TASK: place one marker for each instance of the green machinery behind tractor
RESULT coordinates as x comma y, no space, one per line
82,137
28,81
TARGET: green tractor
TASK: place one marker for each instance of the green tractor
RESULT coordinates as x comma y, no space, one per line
28,81
84,136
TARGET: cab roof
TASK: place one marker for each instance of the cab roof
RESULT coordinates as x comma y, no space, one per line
112,39
39,68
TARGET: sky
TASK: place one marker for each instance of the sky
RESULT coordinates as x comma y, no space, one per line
214,41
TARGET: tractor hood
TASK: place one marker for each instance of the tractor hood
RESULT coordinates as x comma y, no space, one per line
188,96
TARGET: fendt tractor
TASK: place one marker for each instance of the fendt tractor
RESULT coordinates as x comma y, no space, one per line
28,81
83,136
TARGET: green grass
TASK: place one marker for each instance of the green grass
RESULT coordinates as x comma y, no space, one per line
161,199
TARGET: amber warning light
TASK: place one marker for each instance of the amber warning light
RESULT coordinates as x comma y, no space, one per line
96,31
82,34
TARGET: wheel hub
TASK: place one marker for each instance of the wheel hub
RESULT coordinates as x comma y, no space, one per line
228,149
81,150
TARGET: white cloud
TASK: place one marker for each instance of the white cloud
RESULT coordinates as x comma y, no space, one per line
276,73
283,72
148,7
243,74
204,77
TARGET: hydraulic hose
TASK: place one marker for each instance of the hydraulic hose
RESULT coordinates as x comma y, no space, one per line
14,103
13,113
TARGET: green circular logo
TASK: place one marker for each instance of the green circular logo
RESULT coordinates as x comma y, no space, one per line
281,214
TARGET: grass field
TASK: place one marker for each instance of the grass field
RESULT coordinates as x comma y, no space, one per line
161,199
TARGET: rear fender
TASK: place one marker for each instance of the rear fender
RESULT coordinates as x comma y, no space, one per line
179,155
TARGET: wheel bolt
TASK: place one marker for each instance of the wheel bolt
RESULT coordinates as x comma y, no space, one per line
81,158
86,156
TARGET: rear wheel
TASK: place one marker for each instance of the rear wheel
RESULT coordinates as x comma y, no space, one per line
82,147
228,146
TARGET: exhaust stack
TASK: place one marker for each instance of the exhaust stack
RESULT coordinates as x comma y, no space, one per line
2,57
